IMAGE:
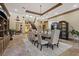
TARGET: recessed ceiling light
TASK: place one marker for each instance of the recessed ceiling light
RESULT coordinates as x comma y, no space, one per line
15,10
37,18
31,16
43,18
75,6
27,15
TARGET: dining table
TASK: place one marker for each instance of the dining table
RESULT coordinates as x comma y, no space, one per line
46,36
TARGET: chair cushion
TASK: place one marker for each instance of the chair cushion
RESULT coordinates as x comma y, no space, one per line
44,42
36,39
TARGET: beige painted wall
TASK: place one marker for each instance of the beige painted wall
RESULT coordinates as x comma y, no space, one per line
12,23
71,18
13,16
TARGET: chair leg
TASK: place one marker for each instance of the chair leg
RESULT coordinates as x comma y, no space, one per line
34,43
47,45
41,48
52,47
37,45
57,45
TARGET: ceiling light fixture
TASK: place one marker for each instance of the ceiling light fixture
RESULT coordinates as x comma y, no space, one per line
43,18
31,16
37,18
15,10
40,12
75,6
27,15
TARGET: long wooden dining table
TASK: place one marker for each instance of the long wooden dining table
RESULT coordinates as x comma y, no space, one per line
44,36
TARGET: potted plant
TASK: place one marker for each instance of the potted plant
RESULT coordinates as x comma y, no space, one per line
11,31
75,34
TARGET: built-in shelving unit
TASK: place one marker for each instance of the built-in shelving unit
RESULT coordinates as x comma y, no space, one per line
4,32
64,29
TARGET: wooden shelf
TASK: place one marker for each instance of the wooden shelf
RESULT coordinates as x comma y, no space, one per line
4,36
64,29
1,38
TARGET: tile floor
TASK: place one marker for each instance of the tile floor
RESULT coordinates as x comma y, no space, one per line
74,50
17,46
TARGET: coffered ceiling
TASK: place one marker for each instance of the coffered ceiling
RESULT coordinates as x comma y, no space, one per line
35,7
20,8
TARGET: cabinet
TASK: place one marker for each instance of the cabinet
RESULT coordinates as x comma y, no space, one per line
63,25
4,32
1,46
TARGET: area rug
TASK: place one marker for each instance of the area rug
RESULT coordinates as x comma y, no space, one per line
34,51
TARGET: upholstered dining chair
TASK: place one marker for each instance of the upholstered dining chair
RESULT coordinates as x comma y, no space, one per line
54,37
30,36
40,41
34,36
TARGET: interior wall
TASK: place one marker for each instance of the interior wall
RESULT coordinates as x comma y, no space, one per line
13,21
71,18
13,16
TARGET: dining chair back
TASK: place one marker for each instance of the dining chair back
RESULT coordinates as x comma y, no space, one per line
39,37
52,34
56,36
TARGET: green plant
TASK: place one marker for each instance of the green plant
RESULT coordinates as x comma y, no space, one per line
75,32
12,31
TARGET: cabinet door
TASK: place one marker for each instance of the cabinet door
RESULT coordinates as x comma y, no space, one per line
6,41
1,46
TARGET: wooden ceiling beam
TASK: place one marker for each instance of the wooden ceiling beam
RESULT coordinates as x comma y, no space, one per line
64,13
33,12
52,8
